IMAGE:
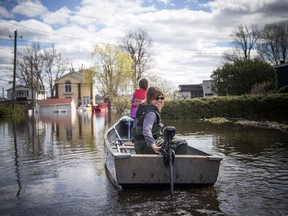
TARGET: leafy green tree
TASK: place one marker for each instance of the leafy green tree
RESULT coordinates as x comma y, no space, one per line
240,77
112,71
88,75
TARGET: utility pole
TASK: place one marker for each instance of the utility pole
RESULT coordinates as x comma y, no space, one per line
14,69
32,84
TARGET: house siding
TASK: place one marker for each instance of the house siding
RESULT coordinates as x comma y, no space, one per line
82,93
282,75
55,105
23,93
196,90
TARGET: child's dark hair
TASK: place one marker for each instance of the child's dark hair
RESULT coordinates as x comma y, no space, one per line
143,84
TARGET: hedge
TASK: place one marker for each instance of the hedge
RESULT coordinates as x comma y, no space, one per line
260,106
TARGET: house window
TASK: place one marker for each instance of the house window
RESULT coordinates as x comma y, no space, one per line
22,93
85,100
68,88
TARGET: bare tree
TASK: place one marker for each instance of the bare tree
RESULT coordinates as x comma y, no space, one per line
138,43
54,66
29,67
231,56
274,42
244,41
165,85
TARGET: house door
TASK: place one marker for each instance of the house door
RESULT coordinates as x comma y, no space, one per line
85,100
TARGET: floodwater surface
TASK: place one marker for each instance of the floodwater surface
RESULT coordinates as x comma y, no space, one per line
54,165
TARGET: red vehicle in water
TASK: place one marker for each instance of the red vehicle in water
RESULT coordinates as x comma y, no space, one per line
99,107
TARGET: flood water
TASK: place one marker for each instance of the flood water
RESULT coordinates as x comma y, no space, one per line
54,165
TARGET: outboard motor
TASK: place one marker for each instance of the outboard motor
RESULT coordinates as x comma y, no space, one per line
169,133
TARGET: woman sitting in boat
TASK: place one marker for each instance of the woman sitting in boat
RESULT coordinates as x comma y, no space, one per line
147,134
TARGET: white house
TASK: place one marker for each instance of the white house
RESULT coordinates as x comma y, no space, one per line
57,105
207,88
23,93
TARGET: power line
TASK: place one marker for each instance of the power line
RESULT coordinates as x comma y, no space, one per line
6,50
45,8
75,38
94,42
85,16
4,80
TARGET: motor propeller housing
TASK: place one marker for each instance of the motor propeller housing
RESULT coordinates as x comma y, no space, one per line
169,133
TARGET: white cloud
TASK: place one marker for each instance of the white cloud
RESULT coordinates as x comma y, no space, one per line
4,13
29,8
166,2
187,44
58,17
34,30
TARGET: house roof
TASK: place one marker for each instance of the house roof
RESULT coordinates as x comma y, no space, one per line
195,87
52,101
281,65
18,86
74,75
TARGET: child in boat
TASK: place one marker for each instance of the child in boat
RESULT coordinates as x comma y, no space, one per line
138,96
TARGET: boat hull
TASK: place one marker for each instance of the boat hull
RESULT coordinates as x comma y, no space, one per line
127,169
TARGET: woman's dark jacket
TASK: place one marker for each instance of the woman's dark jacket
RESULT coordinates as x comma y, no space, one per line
142,110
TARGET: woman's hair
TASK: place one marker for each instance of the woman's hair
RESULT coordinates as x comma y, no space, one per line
152,93
143,84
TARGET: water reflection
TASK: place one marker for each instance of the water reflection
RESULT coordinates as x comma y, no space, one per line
54,165
18,178
254,165
44,143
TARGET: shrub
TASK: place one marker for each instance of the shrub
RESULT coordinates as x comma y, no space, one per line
260,106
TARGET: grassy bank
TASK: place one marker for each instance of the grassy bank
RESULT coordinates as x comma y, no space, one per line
8,111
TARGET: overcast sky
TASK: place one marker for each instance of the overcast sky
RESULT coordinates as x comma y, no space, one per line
189,36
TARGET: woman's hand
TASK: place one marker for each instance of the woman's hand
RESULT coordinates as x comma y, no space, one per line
156,148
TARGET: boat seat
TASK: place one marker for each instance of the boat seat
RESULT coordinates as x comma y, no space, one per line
124,147
128,144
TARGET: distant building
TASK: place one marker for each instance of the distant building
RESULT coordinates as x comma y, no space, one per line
282,75
72,85
196,90
190,91
207,88
23,93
